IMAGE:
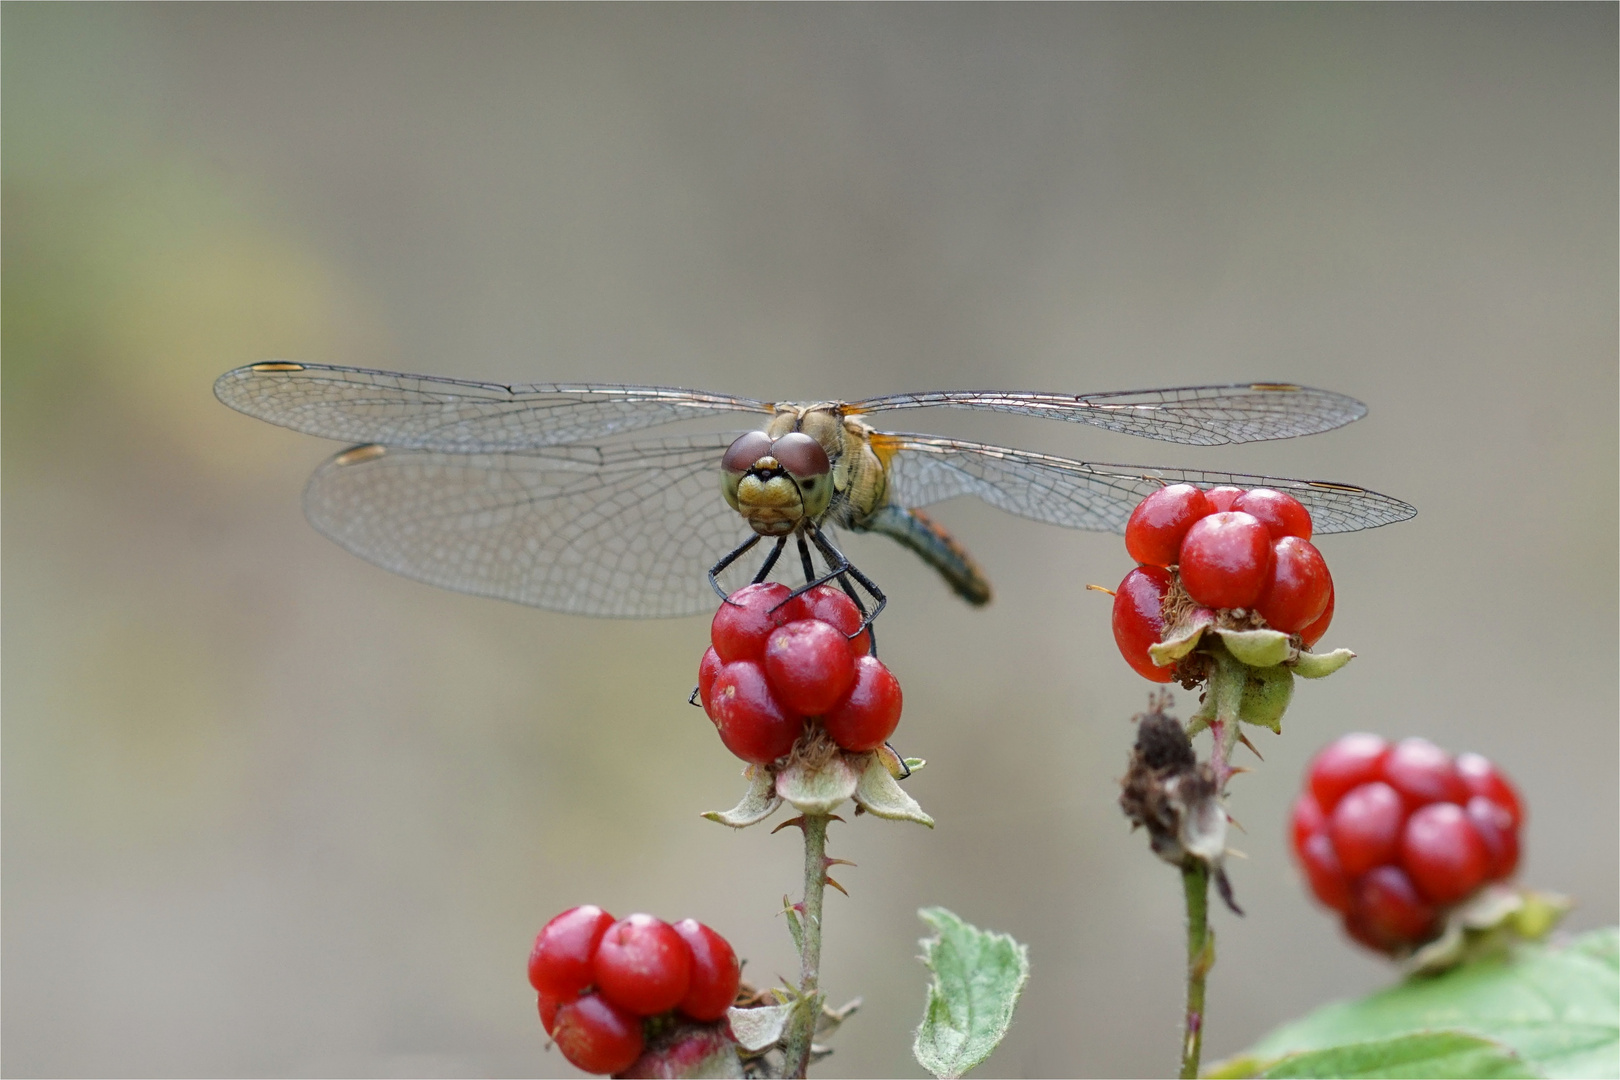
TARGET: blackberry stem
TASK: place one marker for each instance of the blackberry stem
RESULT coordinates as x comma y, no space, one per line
1200,958
1226,696
803,1024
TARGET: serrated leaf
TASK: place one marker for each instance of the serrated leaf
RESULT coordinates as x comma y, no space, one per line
1431,1054
1557,1008
878,794
760,1027
757,804
978,975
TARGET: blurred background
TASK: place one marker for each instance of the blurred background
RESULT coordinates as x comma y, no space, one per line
270,810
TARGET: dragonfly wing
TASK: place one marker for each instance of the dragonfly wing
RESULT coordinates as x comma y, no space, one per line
620,530
1086,495
426,412
1197,415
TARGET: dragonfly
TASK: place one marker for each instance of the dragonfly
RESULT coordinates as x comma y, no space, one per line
541,493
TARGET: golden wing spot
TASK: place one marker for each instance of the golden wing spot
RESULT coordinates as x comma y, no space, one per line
1326,485
277,365
1281,387
359,454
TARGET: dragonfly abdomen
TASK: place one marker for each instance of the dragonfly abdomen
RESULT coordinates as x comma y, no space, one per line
938,548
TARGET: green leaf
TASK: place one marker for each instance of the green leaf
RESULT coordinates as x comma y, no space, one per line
795,928
1430,1054
978,975
1557,1008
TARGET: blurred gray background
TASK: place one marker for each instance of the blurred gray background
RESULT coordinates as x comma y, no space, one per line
270,810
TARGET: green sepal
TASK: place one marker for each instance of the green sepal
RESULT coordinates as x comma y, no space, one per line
1257,648
1182,641
821,790
1487,924
830,1018
877,793
898,767
761,1027
1311,665
1540,913
759,803
1266,694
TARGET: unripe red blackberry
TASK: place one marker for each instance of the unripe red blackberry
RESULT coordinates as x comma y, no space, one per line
1392,837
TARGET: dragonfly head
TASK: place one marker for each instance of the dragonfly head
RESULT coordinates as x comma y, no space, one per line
776,483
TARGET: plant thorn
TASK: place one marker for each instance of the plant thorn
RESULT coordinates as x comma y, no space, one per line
834,884
1224,887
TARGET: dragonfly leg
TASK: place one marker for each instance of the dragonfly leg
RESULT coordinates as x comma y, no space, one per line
718,568
770,560
809,566
871,631
836,569
836,566
810,579
840,565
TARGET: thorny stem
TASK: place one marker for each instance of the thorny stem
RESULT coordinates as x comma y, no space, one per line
1200,958
803,1024
1226,691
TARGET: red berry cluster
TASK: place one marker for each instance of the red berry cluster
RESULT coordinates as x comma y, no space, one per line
775,661
1231,549
1392,836
598,979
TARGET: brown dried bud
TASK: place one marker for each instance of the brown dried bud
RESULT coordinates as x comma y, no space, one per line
1167,791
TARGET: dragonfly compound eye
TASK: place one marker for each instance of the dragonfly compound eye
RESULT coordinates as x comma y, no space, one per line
801,456
806,461
741,455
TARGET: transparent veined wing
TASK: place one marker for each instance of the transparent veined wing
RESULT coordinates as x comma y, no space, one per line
1195,415
1087,495
426,412
626,529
